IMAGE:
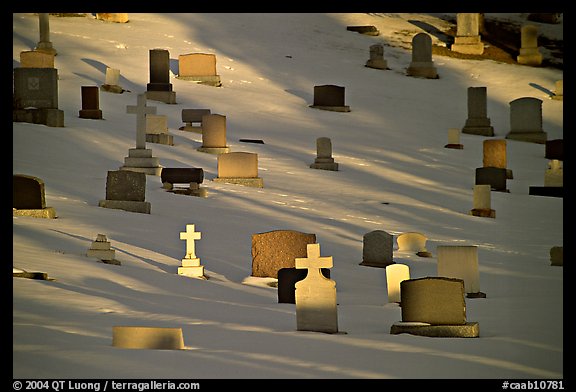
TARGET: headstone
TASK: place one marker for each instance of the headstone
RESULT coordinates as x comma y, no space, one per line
365,30
140,159
90,103
330,97
461,262
126,190
377,57
526,120
191,176
115,18
324,158
493,176
482,202
199,68
278,249
45,45
467,39
553,181
160,88
559,90
554,149
100,249
396,274
413,242
377,249
287,278
111,82
157,129
316,307
36,59
422,65
214,134
434,307
36,97
494,155
28,197
529,53
151,338
478,122
239,168
190,263
557,256
191,117
454,139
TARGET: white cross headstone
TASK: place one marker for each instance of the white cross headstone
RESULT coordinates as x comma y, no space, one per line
141,110
315,295
190,263
190,235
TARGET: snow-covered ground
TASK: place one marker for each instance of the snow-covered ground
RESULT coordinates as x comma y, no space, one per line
395,175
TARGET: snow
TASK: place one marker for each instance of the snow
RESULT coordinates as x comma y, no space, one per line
395,175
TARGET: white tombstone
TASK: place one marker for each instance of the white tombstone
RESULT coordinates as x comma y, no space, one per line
100,249
454,139
481,202
422,65
413,241
529,53
190,263
467,39
157,129
111,82
315,295
461,262
395,274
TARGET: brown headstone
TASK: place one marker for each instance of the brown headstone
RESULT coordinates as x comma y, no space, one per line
27,192
433,300
278,249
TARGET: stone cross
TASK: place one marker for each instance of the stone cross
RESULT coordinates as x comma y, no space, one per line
44,45
314,262
141,110
190,235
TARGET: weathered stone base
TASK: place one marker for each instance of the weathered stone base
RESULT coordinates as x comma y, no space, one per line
31,275
192,268
46,213
49,117
483,212
467,48
533,59
155,338
552,191
454,146
332,108
112,88
160,138
333,166
198,192
532,137
422,70
213,80
377,64
102,254
558,97
126,205
214,150
92,114
255,182
468,330
162,96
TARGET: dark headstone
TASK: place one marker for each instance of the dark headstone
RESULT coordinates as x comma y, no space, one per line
36,87
125,185
159,71
194,115
27,192
328,95
90,103
550,191
555,149
182,175
256,141
493,176
278,249
287,278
